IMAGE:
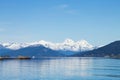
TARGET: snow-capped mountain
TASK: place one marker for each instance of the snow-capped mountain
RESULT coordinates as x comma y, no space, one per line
67,45
14,46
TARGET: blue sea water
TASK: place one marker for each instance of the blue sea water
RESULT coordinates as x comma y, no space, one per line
60,69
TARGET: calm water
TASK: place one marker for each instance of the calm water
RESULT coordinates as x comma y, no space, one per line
60,69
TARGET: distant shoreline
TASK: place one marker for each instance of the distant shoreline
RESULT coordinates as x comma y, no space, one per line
28,58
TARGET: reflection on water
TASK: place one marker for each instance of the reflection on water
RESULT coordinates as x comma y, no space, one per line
60,69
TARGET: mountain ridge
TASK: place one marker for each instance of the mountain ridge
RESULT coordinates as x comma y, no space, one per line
67,45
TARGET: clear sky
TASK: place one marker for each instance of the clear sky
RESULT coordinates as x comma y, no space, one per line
97,21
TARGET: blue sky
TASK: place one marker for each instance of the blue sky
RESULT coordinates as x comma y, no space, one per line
97,21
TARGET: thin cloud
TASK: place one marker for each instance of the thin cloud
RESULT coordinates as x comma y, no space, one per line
66,9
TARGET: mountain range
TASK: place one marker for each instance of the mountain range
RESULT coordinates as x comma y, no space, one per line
67,48
67,45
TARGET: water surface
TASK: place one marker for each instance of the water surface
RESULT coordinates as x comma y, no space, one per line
60,69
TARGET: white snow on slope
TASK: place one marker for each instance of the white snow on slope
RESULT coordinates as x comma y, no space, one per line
67,45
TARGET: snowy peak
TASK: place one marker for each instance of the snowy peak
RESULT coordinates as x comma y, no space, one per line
82,42
68,41
14,46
